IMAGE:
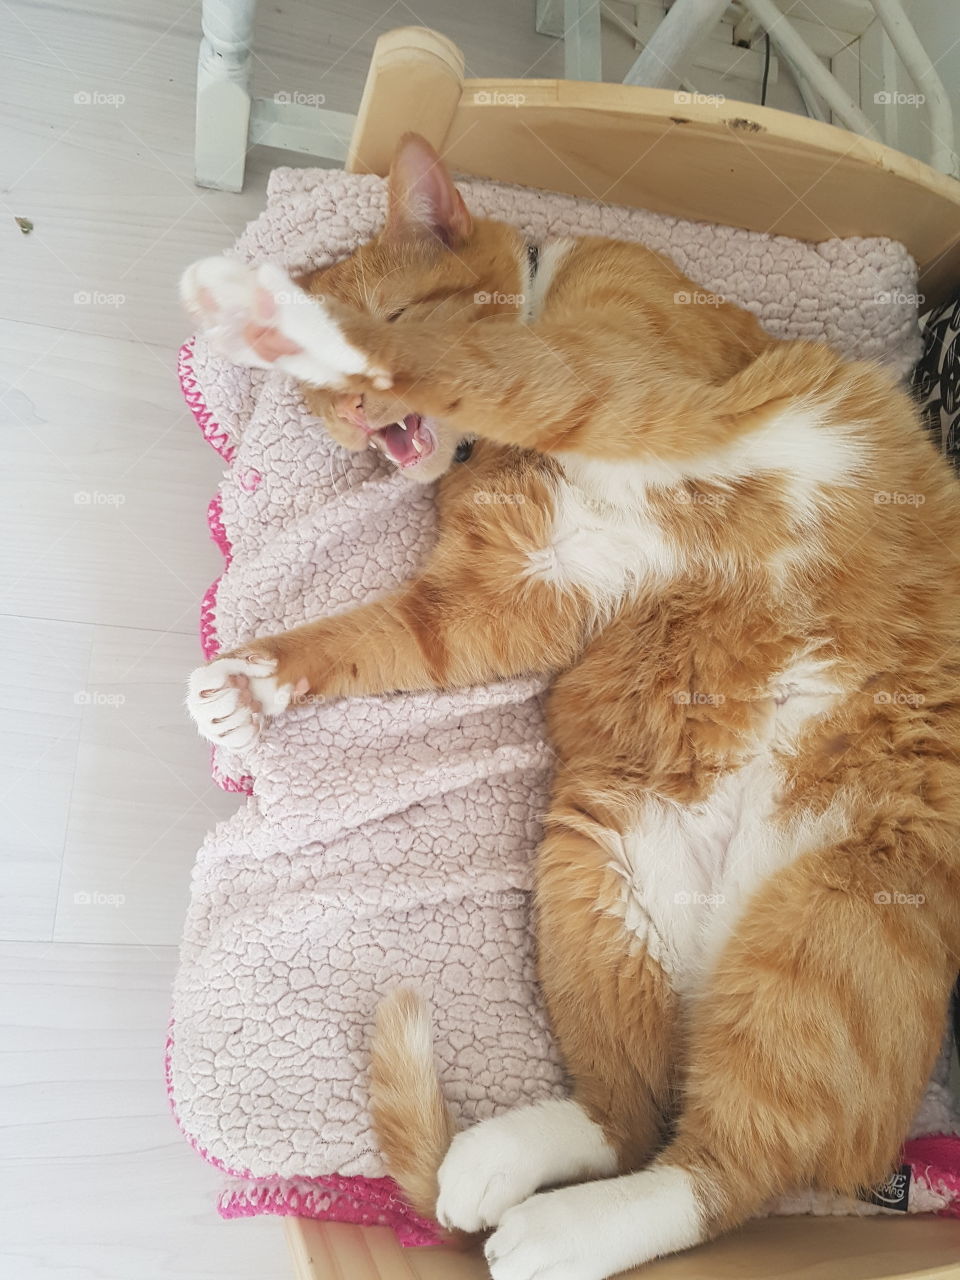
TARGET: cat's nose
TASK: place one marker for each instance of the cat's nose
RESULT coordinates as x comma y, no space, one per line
350,408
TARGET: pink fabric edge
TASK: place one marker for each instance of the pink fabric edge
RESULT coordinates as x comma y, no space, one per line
210,429
331,1199
361,1201
218,440
935,1161
210,641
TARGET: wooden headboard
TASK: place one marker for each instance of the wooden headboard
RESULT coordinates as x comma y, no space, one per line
693,156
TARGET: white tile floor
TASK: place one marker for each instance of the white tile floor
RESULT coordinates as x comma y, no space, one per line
104,555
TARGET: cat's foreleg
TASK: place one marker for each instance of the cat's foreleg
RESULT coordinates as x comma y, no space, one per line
431,634
556,386
614,1018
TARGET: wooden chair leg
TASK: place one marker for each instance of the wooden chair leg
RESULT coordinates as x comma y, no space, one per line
582,58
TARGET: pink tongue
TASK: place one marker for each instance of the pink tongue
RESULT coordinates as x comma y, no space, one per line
400,443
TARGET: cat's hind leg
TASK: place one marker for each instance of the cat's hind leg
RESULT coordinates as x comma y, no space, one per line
809,1049
610,1003
498,1163
613,1015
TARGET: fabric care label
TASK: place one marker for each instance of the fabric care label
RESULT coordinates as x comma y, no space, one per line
892,1194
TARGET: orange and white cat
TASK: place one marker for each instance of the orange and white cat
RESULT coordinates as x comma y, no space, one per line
739,560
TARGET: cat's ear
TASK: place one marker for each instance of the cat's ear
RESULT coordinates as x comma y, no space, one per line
423,202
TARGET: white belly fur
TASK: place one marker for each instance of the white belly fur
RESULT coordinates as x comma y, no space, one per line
688,871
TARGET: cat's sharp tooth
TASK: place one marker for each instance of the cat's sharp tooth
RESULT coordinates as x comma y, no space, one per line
417,445
402,425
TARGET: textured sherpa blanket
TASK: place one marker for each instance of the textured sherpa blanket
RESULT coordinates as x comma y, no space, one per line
389,840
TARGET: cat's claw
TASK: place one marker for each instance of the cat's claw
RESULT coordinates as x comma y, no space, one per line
257,316
230,698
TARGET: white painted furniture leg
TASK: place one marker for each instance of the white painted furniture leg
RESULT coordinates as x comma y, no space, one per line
549,18
223,93
664,62
921,70
792,46
581,40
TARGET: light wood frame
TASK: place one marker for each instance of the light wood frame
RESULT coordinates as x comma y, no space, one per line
765,1249
732,163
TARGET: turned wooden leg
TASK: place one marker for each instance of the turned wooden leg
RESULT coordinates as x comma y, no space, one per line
223,93
666,58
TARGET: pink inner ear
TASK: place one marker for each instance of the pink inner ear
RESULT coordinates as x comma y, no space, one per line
423,199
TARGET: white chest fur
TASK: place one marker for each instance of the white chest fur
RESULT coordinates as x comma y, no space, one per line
602,540
605,537
688,871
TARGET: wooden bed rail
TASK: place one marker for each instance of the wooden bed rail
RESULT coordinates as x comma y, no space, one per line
785,1248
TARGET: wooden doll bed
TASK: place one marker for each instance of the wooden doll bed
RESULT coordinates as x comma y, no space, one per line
731,163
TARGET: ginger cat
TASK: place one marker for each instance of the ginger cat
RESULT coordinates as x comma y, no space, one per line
739,560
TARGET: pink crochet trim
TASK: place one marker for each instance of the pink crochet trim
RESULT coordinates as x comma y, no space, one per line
367,1202
211,430
209,640
217,531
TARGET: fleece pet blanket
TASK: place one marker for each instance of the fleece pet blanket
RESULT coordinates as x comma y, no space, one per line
390,840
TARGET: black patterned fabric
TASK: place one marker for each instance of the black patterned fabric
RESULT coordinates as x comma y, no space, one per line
936,379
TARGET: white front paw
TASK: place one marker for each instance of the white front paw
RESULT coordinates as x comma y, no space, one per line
229,699
486,1170
257,316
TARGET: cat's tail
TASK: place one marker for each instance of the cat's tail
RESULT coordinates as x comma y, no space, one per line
411,1120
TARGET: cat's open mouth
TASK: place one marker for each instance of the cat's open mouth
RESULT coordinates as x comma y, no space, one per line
407,442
